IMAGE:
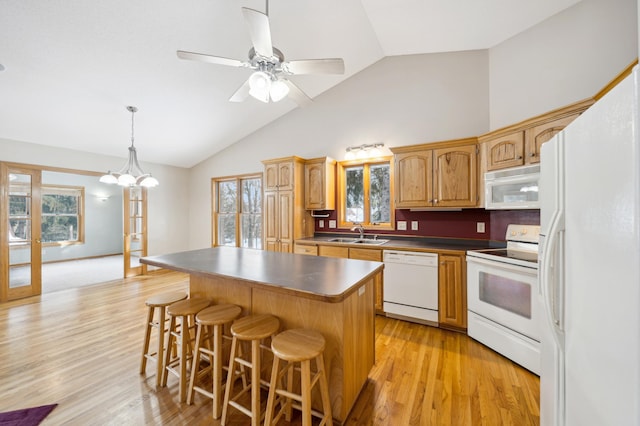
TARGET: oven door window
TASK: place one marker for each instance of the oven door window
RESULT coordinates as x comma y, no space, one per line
506,293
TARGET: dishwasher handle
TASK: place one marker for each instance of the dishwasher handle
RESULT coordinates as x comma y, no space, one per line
410,258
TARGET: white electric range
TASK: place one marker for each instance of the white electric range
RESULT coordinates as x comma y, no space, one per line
503,301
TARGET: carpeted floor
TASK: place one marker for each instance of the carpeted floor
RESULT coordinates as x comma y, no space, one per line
78,273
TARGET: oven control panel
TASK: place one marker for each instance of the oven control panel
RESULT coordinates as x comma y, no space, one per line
523,233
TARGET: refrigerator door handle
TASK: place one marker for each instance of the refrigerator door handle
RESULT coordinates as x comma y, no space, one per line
550,282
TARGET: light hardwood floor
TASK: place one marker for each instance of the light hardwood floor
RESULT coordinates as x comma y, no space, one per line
81,348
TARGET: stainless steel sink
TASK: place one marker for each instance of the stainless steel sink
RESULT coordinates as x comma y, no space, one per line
371,242
368,241
343,240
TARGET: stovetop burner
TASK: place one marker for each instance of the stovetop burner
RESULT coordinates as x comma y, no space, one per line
522,247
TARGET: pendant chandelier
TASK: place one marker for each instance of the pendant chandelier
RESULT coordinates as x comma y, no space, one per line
131,173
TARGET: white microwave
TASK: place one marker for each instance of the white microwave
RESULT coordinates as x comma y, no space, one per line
515,188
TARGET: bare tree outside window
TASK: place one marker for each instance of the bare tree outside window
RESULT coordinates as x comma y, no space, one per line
238,211
366,194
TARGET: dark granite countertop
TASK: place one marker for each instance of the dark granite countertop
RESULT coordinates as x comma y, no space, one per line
406,243
315,277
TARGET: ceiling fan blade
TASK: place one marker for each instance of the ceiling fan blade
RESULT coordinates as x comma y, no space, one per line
210,59
297,95
314,66
242,93
259,31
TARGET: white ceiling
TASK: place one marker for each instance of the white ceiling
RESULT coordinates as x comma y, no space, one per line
72,66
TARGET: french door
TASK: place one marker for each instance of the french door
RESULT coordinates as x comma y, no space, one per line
20,226
135,230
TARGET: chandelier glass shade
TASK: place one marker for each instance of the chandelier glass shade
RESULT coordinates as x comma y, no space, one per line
131,174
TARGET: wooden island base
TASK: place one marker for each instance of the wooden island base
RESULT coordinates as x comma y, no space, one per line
346,318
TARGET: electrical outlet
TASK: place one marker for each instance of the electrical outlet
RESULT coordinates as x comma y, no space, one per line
480,227
321,223
332,224
414,225
402,225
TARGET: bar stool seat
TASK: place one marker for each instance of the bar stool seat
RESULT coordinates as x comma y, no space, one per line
157,302
211,322
298,346
185,311
253,329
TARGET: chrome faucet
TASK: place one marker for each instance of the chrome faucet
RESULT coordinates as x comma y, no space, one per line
358,227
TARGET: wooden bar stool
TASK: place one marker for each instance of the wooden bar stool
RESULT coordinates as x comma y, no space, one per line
185,310
211,322
254,329
298,346
159,302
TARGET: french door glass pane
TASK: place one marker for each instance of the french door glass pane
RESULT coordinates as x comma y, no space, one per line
251,231
19,230
379,194
354,194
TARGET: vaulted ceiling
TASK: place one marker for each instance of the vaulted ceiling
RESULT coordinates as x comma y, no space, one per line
72,66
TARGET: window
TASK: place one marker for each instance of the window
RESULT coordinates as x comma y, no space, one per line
62,208
365,194
238,211
61,214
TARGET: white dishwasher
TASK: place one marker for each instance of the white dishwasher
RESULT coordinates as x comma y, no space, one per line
411,285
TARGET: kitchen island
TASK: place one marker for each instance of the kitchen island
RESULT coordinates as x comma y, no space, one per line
333,296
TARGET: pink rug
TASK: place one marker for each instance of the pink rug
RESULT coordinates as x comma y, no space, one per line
26,417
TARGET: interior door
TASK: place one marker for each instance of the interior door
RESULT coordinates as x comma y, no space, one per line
135,230
20,249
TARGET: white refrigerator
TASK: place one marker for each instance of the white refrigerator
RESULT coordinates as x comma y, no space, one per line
589,262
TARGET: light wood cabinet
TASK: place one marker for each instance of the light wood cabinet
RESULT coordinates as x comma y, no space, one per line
371,254
376,256
520,144
537,135
452,292
333,251
505,151
320,184
285,218
305,249
443,174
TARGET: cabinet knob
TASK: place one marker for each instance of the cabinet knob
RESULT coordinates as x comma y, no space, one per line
532,154
519,157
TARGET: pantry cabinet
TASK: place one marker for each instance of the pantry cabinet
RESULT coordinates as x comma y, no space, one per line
443,174
285,218
320,184
452,292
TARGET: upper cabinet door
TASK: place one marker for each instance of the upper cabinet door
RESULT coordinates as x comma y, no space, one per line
540,134
271,177
413,179
455,177
506,151
285,175
319,184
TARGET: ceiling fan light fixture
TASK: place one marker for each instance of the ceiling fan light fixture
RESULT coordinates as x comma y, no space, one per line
279,90
260,85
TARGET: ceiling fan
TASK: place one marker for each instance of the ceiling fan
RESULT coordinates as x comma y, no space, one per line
268,81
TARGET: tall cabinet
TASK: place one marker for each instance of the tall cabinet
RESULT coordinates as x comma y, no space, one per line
285,218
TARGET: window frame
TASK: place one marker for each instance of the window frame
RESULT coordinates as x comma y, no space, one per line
239,213
60,190
341,192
